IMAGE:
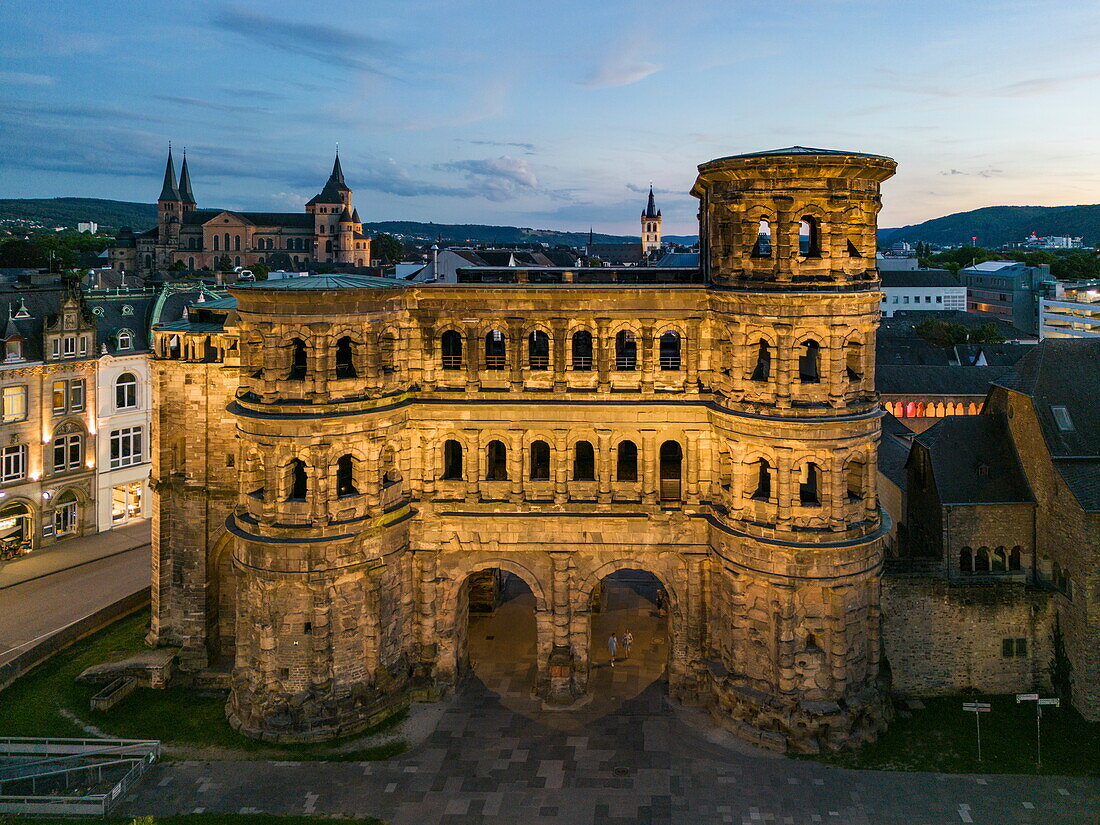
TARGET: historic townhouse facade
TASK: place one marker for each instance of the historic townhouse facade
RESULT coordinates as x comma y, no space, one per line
337,456
328,231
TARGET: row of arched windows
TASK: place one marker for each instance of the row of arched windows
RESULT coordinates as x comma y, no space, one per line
236,239
582,459
581,351
986,560
809,361
344,359
809,239
930,409
762,481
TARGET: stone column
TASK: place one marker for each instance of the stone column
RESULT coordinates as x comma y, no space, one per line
515,466
560,458
602,355
473,357
645,346
475,465
515,352
784,364
561,661
559,347
786,485
692,352
650,460
837,372
603,466
691,467
428,347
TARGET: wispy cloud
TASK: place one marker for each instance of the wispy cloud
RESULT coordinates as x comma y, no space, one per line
621,70
25,79
497,179
981,173
529,148
198,103
1042,85
335,45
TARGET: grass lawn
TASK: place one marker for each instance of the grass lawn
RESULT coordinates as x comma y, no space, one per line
941,738
181,718
193,819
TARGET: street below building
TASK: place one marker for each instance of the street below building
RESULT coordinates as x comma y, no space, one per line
51,589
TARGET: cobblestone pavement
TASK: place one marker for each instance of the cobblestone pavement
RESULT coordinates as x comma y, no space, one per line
625,757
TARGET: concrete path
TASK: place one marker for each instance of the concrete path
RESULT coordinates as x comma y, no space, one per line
51,589
625,757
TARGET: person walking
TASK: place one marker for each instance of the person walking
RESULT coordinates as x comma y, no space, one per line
613,647
628,640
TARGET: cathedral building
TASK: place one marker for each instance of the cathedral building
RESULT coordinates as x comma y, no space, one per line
327,232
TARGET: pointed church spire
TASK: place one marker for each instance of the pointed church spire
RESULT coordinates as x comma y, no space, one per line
590,236
169,192
186,195
651,206
337,173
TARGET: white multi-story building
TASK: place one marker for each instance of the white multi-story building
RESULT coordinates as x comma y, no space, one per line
1073,312
924,289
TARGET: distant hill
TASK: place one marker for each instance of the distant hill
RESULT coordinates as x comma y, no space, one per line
70,211
997,225
112,215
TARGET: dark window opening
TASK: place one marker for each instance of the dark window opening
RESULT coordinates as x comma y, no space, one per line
452,350
966,560
584,462
582,351
540,461
1015,559
297,360
452,461
497,464
853,360
853,250
495,352
626,351
809,364
538,350
855,481
671,467
763,367
345,366
808,488
627,461
763,491
345,476
298,482
981,560
670,351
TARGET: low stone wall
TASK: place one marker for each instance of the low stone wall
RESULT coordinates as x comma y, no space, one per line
50,646
941,637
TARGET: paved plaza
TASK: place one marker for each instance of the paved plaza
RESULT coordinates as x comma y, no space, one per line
626,756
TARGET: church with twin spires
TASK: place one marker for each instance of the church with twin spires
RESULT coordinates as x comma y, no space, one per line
328,231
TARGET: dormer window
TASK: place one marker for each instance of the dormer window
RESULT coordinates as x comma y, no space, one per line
22,311
127,309
13,349
125,339
1061,418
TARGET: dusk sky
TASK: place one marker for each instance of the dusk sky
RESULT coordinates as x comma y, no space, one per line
551,114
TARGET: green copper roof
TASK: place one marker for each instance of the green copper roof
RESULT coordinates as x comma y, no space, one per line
325,282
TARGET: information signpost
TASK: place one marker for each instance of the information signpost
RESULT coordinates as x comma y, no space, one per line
1034,697
977,708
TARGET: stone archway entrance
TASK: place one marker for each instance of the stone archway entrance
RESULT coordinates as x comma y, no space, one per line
501,637
635,602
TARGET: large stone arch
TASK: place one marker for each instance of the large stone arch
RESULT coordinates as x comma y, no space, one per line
221,599
670,572
453,617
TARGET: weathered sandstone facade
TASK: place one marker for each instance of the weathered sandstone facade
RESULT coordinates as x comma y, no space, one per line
338,458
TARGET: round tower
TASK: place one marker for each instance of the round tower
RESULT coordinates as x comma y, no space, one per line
788,247
321,526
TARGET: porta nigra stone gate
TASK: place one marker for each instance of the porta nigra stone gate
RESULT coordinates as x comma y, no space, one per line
339,455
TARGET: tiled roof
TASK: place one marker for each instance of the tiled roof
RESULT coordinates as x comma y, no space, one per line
323,282
917,278
974,461
919,379
801,150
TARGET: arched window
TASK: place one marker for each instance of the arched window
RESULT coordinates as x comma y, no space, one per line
853,360
495,351
66,515
762,370
855,480
345,364
1015,558
671,460
981,560
451,344
966,560
626,465
1000,560
538,350
126,391
236,243
452,460
809,485
236,260
226,241
763,491
540,461
584,461
497,462
809,369
345,476
582,350
298,487
297,360
670,351
191,262
217,247
328,246
809,237
626,351
387,349
762,248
